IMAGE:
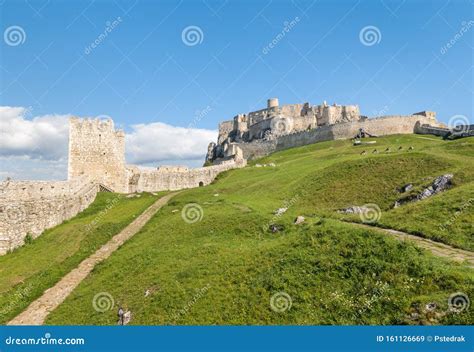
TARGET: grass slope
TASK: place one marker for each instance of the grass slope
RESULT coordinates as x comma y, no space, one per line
226,268
29,270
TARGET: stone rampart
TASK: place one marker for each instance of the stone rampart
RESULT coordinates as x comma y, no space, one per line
380,126
30,207
154,180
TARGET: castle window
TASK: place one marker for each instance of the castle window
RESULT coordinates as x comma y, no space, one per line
201,184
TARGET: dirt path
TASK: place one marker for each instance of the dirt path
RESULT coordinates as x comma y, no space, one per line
437,248
39,309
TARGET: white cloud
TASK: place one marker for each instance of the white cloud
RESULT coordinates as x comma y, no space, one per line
159,142
36,148
43,137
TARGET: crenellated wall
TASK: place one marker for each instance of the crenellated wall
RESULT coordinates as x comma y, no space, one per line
30,207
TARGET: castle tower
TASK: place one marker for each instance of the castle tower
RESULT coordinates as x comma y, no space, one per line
272,103
97,150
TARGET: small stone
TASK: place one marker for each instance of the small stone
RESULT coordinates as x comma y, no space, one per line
174,210
299,220
216,195
272,165
431,306
258,165
127,317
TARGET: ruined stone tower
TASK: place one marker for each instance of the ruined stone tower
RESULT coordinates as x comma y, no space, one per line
97,150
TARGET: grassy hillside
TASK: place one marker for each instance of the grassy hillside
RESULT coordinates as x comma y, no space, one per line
29,270
225,268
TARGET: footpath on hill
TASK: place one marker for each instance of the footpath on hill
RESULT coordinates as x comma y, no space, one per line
437,248
38,310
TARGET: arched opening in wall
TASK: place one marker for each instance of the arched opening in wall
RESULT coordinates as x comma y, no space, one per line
201,184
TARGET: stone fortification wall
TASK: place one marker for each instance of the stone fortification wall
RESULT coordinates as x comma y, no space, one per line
97,150
169,178
30,207
257,149
380,126
428,129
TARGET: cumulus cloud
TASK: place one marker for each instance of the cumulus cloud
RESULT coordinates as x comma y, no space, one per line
36,148
43,137
159,142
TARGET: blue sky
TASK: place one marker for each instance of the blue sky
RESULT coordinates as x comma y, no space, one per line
142,71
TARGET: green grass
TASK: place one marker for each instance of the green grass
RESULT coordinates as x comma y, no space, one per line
29,270
225,268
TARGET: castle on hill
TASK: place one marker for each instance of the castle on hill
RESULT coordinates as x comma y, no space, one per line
276,127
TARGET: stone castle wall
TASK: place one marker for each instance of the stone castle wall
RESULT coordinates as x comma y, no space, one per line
153,180
275,120
380,126
97,150
30,207
428,129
